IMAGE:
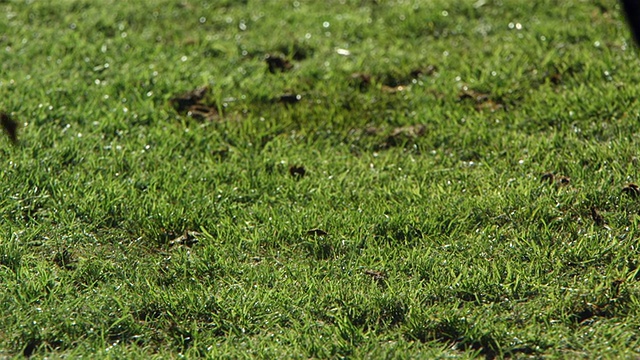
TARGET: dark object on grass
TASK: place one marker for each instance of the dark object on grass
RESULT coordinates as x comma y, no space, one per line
547,177
403,136
10,126
597,217
563,180
428,70
632,10
32,347
632,190
289,98
375,274
202,112
183,102
360,80
190,103
64,259
188,238
277,63
297,172
316,232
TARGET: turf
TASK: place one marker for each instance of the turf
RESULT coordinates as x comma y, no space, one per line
319,179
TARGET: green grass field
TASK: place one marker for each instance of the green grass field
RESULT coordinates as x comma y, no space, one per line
319,179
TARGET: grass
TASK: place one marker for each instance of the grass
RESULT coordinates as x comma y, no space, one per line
382,192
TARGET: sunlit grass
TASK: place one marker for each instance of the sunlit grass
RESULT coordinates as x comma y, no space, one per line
415,179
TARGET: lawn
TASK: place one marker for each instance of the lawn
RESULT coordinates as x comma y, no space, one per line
319,179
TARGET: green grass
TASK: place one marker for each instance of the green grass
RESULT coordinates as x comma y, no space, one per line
424,149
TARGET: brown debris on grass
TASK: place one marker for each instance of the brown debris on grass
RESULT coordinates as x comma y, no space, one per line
391,83
559,180
411,131
10,127
555,78
184,101
403,135
360,80
289,98
371,130
632,190
188,238
483,101
393,89
64,259
489,105
598,219
202,112
403,80
296,50
375,275
316,232
563,181
298,172
277,63
190,104
547,177
423,71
